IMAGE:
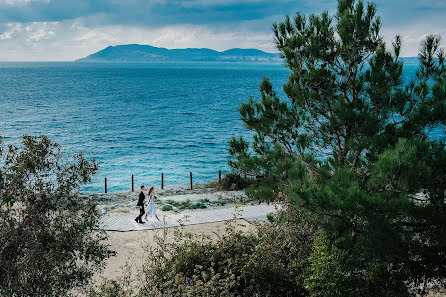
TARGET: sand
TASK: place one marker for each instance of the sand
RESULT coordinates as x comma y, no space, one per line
130,246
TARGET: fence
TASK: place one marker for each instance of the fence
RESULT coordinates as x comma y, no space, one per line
162,181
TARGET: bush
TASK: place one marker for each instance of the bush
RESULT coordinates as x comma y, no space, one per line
234,182
271,263
49,238
182,205
111,288
198,268
124,286
167,207
198,205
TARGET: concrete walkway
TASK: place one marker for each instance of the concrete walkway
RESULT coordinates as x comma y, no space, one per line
251,213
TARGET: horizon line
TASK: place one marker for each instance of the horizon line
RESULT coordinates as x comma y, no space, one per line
65,61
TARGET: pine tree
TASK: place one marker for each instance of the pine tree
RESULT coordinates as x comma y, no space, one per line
376,178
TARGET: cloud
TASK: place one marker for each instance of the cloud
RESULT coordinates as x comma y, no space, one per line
20,2
143,12
71,40
66,29
32,31
41,34
12,29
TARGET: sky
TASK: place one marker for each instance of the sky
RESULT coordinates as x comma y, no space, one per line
64,30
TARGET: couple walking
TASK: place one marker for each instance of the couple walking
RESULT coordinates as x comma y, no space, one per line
146,208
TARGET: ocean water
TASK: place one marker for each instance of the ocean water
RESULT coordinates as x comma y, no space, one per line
134,118
140,119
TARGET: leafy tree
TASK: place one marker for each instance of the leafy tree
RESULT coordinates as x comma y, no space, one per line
49,242
376,178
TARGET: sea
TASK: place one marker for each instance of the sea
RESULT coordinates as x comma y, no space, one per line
140,119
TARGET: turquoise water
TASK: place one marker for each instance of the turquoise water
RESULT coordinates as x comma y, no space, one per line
140,119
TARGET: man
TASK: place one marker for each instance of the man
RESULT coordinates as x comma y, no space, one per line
140,204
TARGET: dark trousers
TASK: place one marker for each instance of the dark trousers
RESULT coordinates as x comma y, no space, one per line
141,213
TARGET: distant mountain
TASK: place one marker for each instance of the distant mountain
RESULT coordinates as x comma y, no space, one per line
147,53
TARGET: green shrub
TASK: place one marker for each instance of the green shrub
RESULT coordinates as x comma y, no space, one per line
183,205
172,202
199,268
49,238
167,207
233,182
220,202
270,218
198,205
270,263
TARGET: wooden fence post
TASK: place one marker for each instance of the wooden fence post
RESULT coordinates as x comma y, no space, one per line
191,186
133,184
162,180
105,185
219,176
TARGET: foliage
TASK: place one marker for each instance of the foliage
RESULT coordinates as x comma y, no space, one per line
233,182
182,205
113,288
167,207
124,286
278,265
197,267
325,277
271,263
49,243
329,274
352,145
198,205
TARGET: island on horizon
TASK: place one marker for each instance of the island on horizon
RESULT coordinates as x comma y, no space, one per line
147,53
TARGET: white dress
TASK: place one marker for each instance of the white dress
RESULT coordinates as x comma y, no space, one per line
150,209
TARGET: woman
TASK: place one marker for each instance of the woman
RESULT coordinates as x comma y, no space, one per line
150,205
